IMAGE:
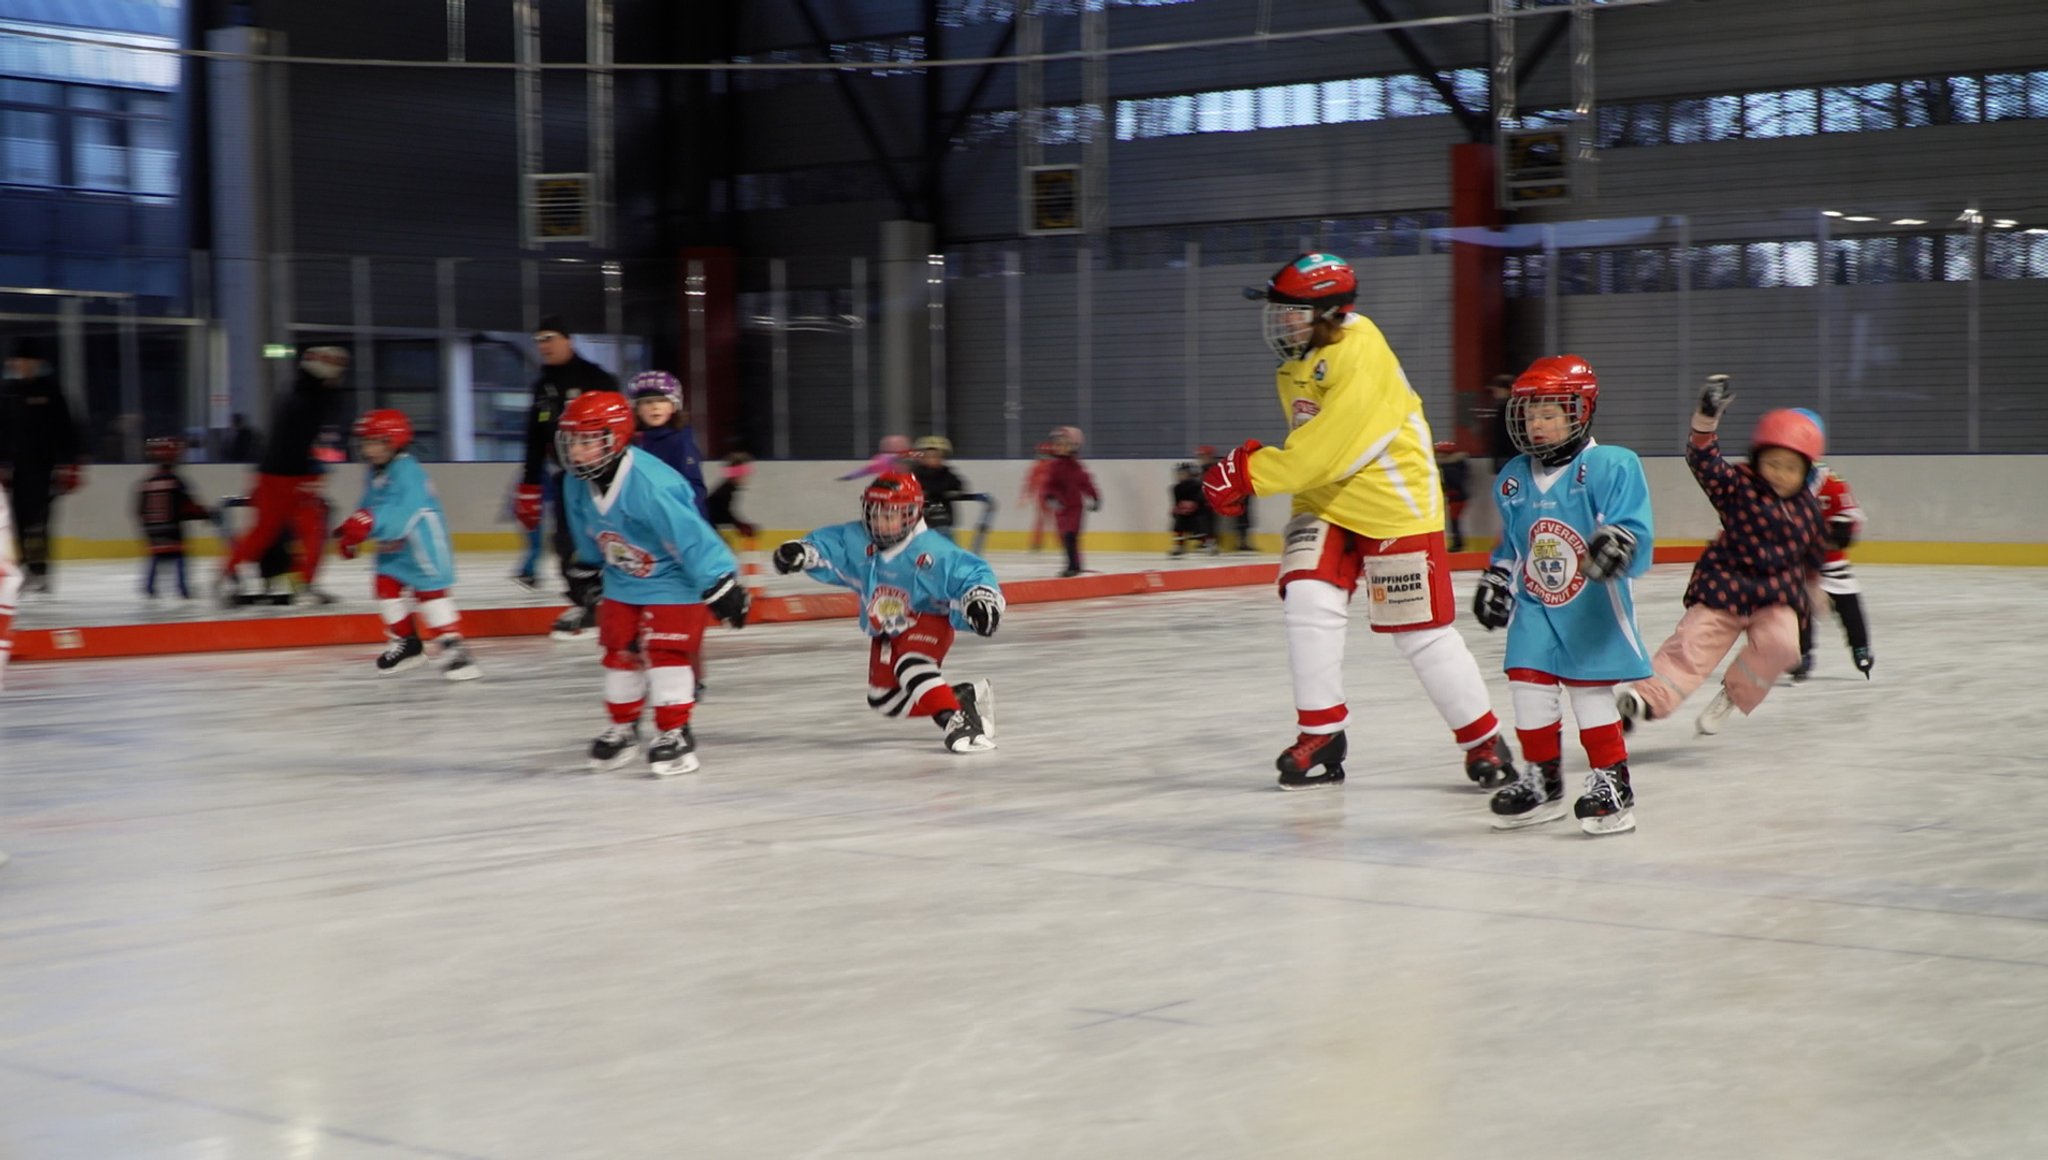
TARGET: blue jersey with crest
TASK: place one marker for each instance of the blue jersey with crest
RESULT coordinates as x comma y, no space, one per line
408,526
645,530
1564,623
926,574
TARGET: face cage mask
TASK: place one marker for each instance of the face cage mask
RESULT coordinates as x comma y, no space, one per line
1290,328
1549,454
567,441
870,517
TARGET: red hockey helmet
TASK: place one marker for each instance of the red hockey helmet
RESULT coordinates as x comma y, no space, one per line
595,429
1310,288
163,449
1563,380
387,425
1792,431
1446,447
890,507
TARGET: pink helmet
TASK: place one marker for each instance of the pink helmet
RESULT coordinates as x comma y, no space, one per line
1071,434
895,445
1792,431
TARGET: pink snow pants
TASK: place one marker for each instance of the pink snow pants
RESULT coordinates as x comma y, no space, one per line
1703,636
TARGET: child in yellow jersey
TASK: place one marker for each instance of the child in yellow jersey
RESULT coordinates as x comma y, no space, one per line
1367,505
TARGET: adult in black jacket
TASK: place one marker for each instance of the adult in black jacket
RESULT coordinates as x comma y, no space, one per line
564,374
40,456
287,490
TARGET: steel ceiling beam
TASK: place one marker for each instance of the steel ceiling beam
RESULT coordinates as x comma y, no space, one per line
823,43
1476,126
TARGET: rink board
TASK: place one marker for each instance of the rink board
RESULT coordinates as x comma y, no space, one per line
232,634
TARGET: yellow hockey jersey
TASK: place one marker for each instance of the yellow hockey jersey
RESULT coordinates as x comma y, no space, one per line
1360,453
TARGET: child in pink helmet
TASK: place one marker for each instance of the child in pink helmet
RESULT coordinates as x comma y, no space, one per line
1753,578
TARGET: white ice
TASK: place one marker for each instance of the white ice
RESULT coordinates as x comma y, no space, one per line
269,906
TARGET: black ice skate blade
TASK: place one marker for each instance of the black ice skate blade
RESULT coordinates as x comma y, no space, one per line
1296,782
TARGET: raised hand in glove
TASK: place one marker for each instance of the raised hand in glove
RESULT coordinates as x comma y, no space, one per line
1613,549
1493,602
728,601
526,506
1228,482
353,531
1842,533
795,556
983,608
1714,399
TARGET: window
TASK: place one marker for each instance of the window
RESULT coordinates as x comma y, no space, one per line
28,148
1792,113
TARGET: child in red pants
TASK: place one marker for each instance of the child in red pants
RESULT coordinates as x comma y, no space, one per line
1752,579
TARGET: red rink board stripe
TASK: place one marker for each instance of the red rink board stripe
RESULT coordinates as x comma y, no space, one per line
279,632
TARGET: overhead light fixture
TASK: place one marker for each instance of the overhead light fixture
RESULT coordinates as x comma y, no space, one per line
1857,217
2005,223
2037,230
1909,221
1831,213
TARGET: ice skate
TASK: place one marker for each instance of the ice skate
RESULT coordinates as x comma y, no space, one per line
575,623
1715,714
1608,805
526,580
1490,764
456,663
1312,751
1803,669
616,746
1865,660
1632,707
1534,797
968,730
674,751
227,591
402,653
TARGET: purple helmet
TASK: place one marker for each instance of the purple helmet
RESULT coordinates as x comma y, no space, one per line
655,384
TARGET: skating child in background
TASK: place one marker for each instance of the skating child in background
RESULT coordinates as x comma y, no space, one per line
1753,578
1452,469
1067,484
1575,529
163,504
739,466
665,573
664,429
402,516
942,485
916,588
1193,523
1033,495
1844,527
892,455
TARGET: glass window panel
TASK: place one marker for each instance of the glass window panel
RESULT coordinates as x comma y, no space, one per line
1723,118
30,92
1228,111
1688,118
2005,96
1286,106
1790,113
98,158
153,158
28,148
2037,95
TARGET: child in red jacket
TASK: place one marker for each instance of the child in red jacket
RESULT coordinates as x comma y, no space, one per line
1752,579
1067,483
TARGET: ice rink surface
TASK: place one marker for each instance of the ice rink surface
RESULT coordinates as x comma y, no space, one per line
271,906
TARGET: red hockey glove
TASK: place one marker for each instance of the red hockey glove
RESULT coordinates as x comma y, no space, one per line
353,531
526,506
1228,482
67,478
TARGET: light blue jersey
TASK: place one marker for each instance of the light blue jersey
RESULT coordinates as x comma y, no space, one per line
645,530
410,530
1565,624
925,575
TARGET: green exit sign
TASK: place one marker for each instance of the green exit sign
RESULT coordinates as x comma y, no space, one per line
278,350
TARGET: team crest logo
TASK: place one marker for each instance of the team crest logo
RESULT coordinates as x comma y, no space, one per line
1305,409
1580,478
924,560
889,611
1552,575
1509,486
620,554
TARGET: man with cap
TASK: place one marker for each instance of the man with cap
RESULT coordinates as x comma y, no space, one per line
40,452
564,374
287,491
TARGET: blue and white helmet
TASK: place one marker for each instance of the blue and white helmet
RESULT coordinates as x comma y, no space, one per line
655,385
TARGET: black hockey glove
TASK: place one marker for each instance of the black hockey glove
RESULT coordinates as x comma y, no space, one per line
1714,399
1611,552
586,583
1842,532
728,601
1492,602
794,556
983,608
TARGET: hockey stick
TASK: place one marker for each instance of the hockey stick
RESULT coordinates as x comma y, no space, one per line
987,520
